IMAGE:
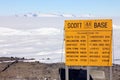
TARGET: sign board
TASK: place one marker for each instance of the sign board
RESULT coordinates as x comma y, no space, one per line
88,42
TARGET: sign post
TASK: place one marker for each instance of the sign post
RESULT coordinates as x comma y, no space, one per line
88,42
88,71
66,73
111,73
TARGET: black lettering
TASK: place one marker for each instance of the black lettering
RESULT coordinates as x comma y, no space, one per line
74,25
100,25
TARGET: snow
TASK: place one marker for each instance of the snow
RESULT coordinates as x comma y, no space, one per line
41,37
45,31
68,15
39,31
9,31
38,14
48,15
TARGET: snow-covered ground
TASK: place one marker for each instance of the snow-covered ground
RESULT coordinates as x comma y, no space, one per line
41,36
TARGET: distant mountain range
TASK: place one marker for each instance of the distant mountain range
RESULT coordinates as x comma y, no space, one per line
53,15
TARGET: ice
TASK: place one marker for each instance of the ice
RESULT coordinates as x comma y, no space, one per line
42,37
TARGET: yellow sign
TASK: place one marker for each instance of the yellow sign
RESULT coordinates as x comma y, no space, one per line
88,42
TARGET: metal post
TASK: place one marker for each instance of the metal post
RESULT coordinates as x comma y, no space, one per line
110,72
88,71
66,73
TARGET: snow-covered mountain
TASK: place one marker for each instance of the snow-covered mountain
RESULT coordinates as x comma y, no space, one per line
42,37
40,15
52,15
